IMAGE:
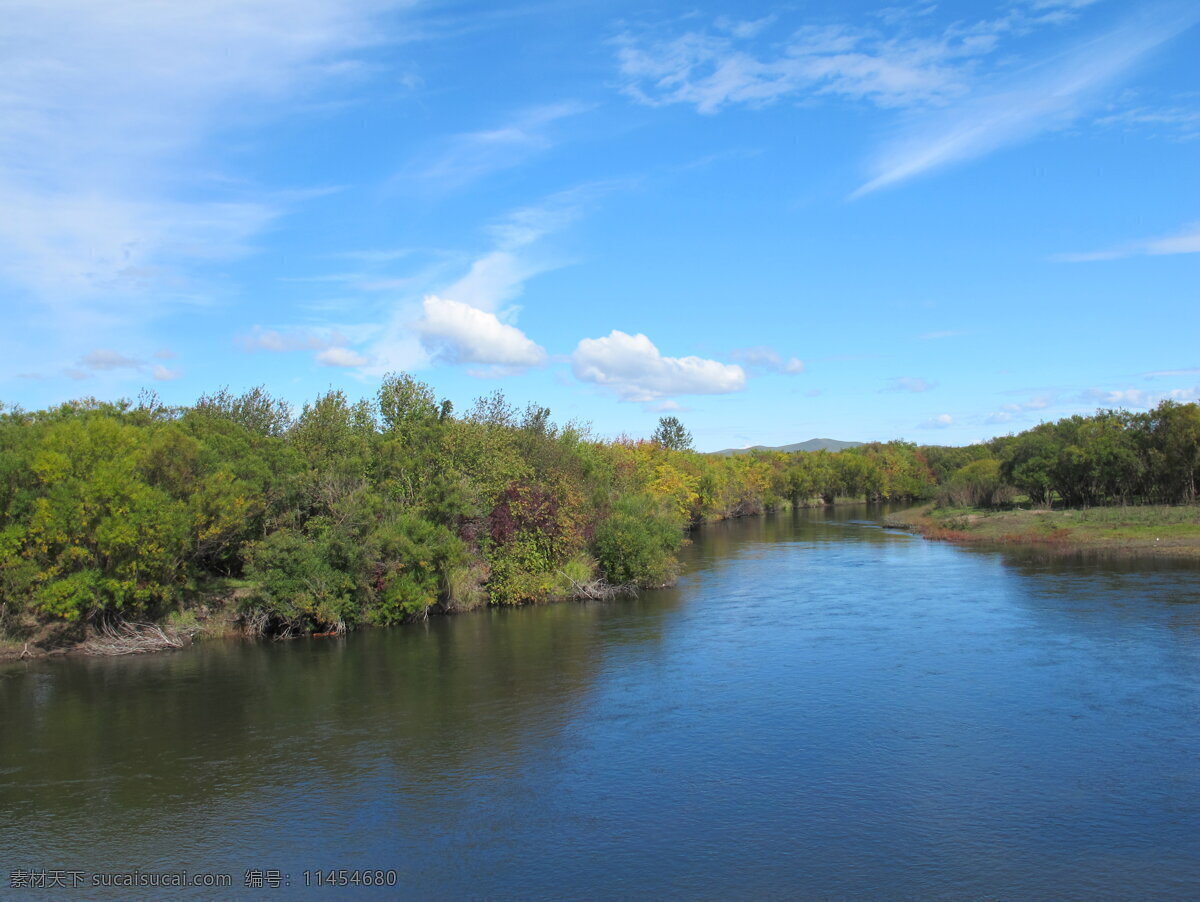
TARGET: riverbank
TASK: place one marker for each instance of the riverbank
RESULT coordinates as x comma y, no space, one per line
217,614
1157,530
217,611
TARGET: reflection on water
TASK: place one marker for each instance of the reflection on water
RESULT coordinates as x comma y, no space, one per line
822,708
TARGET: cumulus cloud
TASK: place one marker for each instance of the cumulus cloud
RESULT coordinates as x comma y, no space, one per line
633,367
766,359
459,333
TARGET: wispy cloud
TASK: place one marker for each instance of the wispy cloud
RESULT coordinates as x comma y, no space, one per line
1176,123
341,357
416,336
717,68
941,421
470,156
104,359
908,384
103,109
1046,96
766,359
114,363
938,336
328,345
1138,397
1159,373
1185,241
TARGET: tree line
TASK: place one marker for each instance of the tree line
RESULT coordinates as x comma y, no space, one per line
385,509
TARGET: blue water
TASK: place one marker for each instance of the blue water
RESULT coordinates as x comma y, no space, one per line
822,709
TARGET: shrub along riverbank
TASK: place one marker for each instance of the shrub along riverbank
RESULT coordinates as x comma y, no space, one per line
238,514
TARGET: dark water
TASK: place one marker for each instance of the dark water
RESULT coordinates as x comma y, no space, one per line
821,710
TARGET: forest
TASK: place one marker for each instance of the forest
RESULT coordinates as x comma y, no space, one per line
387,509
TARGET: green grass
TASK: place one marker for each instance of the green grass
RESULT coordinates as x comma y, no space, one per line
1158,529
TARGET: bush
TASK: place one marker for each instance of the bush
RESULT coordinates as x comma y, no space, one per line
521,572
296,586
978,484
637,542
408,564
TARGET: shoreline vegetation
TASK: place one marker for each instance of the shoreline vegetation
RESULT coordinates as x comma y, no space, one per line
134,526
1168,531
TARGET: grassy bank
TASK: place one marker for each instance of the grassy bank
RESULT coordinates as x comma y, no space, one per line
1160,530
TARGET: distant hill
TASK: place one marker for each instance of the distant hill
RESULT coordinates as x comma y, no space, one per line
813,444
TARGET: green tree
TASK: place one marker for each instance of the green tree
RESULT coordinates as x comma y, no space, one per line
406,404
672,435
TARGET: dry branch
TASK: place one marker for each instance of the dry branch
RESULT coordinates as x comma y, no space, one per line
126,638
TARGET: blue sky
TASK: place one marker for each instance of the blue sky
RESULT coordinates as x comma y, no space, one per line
938,222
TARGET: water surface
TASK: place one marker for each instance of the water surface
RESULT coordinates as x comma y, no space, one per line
822,709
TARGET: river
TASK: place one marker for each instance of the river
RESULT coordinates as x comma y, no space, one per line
821,709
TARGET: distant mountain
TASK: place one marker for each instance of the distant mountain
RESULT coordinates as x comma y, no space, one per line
813,444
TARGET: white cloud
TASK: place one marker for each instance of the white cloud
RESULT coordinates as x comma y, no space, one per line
162,374
1176,123
493,278
634,368
288,340
499,275
1186,241
712,71
459,333
941,421
767,359
103,108
938,336
667,406
340,356
908,384
1043,97
1137,397
474,155
1184,372
104,360
329,344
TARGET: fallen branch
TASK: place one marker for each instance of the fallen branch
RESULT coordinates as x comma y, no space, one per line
134,639
595,589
